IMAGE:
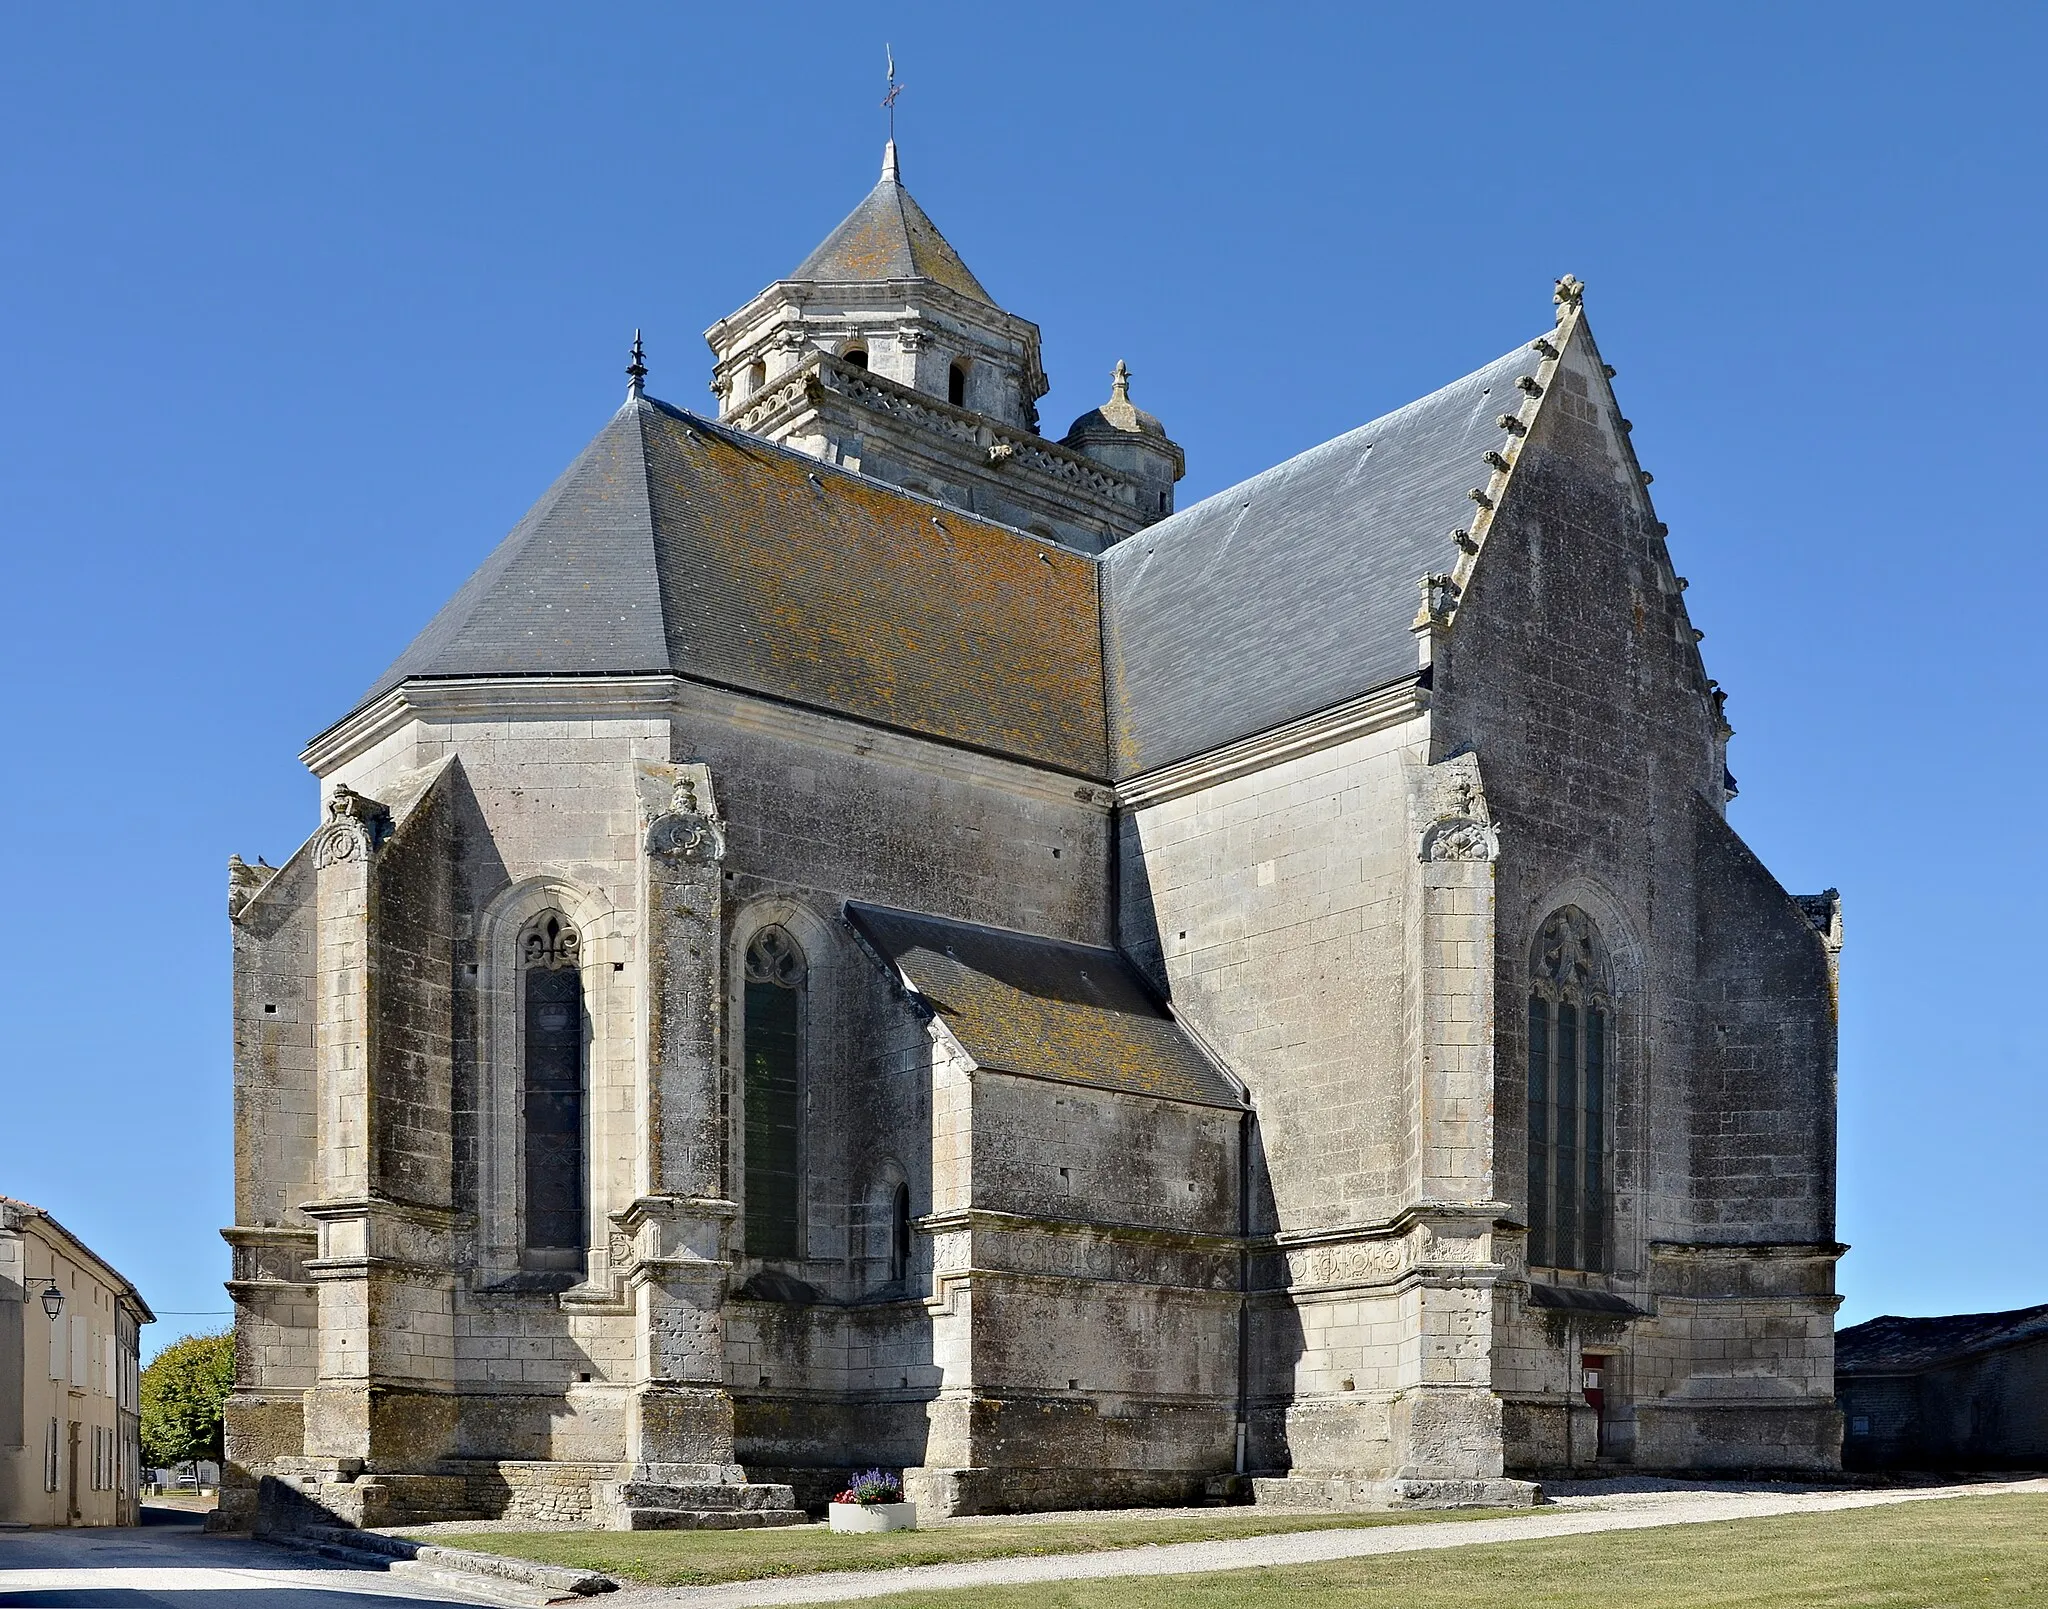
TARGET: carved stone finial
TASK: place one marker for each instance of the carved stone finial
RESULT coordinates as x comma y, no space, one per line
636,369
689,830
245,882
1439,602
356,825
1120,382
1569,293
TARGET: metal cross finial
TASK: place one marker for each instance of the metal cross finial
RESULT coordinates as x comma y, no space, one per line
636,371
895,89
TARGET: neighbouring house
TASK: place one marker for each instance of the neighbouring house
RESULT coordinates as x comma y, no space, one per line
864,935
70,1420
1967,1391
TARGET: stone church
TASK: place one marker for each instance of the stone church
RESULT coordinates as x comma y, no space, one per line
864,935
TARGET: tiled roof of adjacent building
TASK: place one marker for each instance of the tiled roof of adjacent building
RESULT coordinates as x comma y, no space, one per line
888,236
1046,1008
1893,1345
13,1211
673,544
1294,591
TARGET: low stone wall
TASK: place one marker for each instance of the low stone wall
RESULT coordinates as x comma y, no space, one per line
536,1492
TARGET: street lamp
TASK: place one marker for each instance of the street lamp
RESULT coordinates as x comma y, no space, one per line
53,1299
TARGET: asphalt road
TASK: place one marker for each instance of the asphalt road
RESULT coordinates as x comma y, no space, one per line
176,1566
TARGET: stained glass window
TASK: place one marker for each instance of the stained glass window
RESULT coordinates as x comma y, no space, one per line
773,1059
1570,1029
551,980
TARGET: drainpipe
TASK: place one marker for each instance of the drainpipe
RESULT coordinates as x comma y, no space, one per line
1244,1274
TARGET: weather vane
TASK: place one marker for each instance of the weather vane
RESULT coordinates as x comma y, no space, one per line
895,89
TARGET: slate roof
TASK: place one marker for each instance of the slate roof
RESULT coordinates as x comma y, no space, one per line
1293,591
1046,1008
675,544
1893,1345
888,236
672,544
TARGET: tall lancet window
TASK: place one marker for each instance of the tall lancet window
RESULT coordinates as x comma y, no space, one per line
774,1053
1571,1037
554,1037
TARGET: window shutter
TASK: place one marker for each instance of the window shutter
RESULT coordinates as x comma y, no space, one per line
81,1338
58,1341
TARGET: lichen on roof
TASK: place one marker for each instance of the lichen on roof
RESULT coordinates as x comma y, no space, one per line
1044,1007
889,236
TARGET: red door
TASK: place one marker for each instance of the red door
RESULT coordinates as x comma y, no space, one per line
1593,1382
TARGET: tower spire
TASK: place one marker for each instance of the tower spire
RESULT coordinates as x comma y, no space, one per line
636,369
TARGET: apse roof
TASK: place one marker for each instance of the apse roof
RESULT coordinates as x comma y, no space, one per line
673,544
888,236
1046,1008
1293,591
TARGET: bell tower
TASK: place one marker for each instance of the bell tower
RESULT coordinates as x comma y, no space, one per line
883,353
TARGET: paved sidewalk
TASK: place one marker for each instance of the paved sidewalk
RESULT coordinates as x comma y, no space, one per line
1578,1509
179,1567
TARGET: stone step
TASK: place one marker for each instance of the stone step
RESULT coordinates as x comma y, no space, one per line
703,1519
698,1495
1348,1493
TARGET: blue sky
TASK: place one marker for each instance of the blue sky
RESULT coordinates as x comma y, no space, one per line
300,307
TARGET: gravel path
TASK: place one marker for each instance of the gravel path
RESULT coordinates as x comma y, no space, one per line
1577,1509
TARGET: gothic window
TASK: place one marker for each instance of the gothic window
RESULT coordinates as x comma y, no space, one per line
1571,1032
956,384
899,1233
773,1038
757,377
857,356
551,989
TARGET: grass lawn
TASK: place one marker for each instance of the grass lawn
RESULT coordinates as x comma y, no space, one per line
1952,1553
701,1558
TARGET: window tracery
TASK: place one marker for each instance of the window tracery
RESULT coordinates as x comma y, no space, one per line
1570,1038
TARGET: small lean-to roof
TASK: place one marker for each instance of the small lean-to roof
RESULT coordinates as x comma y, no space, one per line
1294,591
1893,1345
888,236
1045,1008
674,544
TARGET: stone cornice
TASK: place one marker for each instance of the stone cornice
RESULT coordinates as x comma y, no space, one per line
668,698
1401,701
1748,1251
1019,451
1476,1214
904,297
536,698
960,1218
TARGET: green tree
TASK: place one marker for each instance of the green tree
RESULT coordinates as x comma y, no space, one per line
184,1390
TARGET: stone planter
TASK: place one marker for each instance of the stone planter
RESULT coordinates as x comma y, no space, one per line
873,1516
